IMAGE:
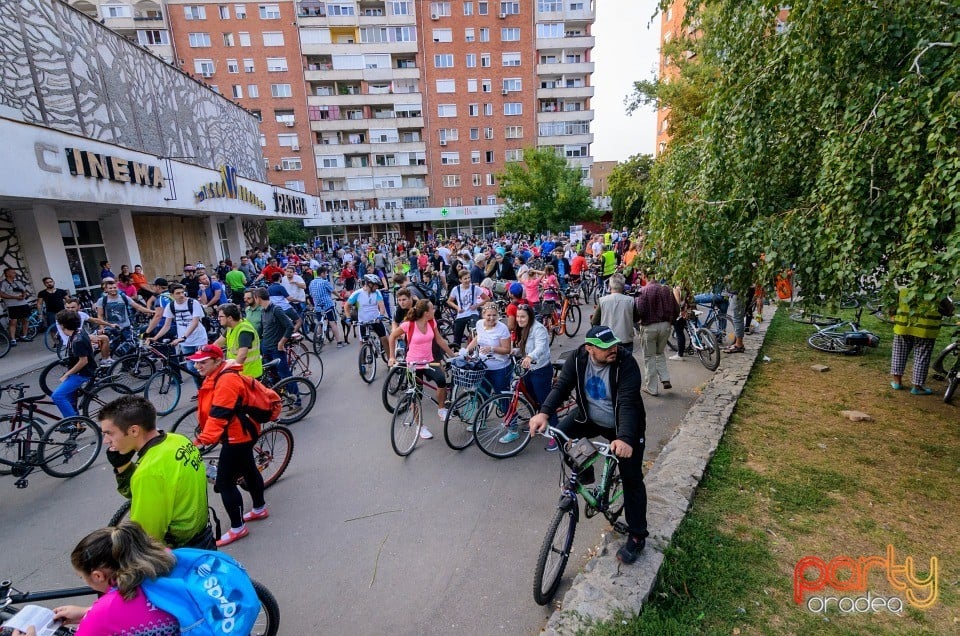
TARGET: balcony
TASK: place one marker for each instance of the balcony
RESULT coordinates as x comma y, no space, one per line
573,92
565,140
123,24
580,42
359,49
567,68
565,115
577,16
358,125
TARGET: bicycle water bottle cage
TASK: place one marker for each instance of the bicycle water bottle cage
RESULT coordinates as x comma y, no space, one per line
581,454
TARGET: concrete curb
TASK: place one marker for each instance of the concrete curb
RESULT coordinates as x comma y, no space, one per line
605,586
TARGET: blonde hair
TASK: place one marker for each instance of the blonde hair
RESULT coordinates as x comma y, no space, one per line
127,553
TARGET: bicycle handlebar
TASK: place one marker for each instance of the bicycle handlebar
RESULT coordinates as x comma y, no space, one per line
551,431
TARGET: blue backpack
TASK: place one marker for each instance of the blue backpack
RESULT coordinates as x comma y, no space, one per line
209,593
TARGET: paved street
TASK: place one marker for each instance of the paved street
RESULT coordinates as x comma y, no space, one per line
361,541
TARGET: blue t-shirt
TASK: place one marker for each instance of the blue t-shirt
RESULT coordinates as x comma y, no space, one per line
278,296
115,309
369,309
211,291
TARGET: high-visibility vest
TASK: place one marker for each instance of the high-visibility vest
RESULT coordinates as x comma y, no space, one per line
923,323
253,365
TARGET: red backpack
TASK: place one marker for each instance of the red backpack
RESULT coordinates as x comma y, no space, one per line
257,406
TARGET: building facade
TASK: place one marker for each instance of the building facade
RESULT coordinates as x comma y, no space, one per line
141,21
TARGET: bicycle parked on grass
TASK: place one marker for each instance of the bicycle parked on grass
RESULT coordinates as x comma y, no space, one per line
947,367
63,450
606,496
844,337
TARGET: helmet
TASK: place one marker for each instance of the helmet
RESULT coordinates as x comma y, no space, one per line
372,279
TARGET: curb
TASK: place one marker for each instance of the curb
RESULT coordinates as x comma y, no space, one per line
605,586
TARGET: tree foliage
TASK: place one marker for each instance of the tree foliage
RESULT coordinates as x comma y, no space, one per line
626,188
830,145
543,194
287,231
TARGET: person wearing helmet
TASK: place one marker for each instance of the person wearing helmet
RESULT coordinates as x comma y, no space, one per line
370,307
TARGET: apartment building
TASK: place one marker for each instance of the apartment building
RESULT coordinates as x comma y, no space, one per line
250,53
142,22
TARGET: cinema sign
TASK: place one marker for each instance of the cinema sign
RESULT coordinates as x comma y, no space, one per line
99,166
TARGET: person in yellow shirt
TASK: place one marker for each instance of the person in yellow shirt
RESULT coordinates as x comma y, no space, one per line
915,328
239,340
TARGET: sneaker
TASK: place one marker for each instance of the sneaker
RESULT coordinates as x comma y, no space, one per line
630,549
230,536
341,345
13,342
442,414
676,358
253,515
27,339
920,390
425,433
552,446
106,362
667,385
509,436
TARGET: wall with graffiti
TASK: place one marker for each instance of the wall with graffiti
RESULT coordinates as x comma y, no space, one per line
10,249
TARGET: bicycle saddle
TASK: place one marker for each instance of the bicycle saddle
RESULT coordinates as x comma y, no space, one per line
31,398
271,364
557,366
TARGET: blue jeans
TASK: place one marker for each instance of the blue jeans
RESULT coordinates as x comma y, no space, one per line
499,379
189,351
283,369
64,396
539,383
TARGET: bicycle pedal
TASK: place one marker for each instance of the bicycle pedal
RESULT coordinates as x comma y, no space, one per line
621,527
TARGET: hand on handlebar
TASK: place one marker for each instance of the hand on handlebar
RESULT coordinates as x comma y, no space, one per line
538,423
621,449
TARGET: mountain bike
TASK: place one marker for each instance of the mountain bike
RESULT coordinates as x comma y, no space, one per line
370,350
577,458
716,321
947,366
843,337
702,341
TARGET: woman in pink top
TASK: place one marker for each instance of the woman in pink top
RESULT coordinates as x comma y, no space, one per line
421,332
114,561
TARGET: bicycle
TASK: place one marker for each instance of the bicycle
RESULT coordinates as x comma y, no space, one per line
843,337
267,623
73,440
606,497
717,322
470,390
563,318
408,413
370,350
703,342
949,357
303,363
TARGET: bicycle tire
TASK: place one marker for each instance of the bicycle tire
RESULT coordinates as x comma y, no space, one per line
10,447
308,364
298,395
496,418
164,390
458,425
120,514
95,398
4,344
48,382
555,550
318,338
814,318
709,354
405,426
572,321
615,496
79,434
445,325
188,425
829,344
951,350
952,383
133,370
52,341
268,620
394,388
367,363
272,453
721,326
309,326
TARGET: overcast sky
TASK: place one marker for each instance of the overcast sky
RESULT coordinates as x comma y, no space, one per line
626,50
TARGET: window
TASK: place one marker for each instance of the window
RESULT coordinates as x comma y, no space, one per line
85,248
550,30
513,132
512,84
510,8
469,34
513,155
449,134
446,86
440,8
491,180
193,12
488,109
443,35
471,86
297,185
276,64
291,163
400,7
288,140
232,66
204,67
240,11
488,156
237,91
511,34
244,38
471,60
483,8
224,12
488,133
280,90
486,86
449,158
263,140
269,12
484,60
492,199
454,202
474,134
473,110
474,156
199,40
273,38
152,37
543,6
513,108
116,11
340,9
215,88
284,116
247,65
446,110
228,39
467,8
252,90
451,181
475,178
478,200
511,59
484,34
443,61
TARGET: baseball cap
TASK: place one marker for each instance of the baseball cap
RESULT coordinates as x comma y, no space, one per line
601,337
206,352
516,289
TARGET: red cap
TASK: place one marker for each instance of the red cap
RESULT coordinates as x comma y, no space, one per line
206,352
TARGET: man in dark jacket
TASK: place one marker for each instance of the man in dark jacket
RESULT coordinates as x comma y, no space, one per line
606,381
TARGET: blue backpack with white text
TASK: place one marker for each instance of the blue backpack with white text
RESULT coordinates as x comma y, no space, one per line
209,593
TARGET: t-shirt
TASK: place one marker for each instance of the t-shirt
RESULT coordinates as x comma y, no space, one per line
367,303
84,316
577,265
596,385
80,347
182,317
53,301
465,298
298,294
236,280
420,347
211,291
278,296
110,615
115,309
531,289
491,338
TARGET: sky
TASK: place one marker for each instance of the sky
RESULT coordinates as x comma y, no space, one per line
626,50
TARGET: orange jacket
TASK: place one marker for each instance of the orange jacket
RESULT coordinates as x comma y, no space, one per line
215,409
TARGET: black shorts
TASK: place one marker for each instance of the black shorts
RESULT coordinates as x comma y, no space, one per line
378,328
329,314
435,374
19,312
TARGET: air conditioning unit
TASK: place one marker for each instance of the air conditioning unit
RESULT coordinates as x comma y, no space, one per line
289,124
504,92
443,142
207,74
278,167
295,147
503,16
434,16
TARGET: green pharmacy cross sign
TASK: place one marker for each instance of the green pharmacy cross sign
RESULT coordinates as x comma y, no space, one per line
443,212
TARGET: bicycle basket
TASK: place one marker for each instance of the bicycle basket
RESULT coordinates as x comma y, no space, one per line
581,454
467,374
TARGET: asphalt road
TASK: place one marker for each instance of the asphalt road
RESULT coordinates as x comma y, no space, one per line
361,541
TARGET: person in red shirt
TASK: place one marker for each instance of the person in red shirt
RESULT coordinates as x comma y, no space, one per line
577,266
348,276
272,268
219,396
515,294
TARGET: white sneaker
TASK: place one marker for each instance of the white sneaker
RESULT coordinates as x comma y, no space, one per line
675,358
425,433
442,414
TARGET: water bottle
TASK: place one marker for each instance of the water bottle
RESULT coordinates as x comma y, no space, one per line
211,472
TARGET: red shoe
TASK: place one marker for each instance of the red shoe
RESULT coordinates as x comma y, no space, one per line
253,515
232,536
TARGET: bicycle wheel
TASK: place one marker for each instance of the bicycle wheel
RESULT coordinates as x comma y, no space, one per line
309,326
163,389
188,425
445,325
615,500
297,395
831,343
52,341
367,363
709,351
394,388
10,447
70,446
554,554
572,321
133,371
272,452
120,514
458,425
308,364
405,426
268,620
318,337
92,400
809,318
721,326
501,428
51,374
947,359
952,383
4,344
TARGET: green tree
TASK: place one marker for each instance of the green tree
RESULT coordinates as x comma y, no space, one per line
286,231
543,194
828,142
626,189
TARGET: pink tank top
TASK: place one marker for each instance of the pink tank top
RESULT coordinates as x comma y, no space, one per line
419,345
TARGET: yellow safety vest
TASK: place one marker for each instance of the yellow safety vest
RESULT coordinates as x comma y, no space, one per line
253,365
924,323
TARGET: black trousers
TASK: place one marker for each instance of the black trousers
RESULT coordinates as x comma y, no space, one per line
459,326
236,460
631,471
